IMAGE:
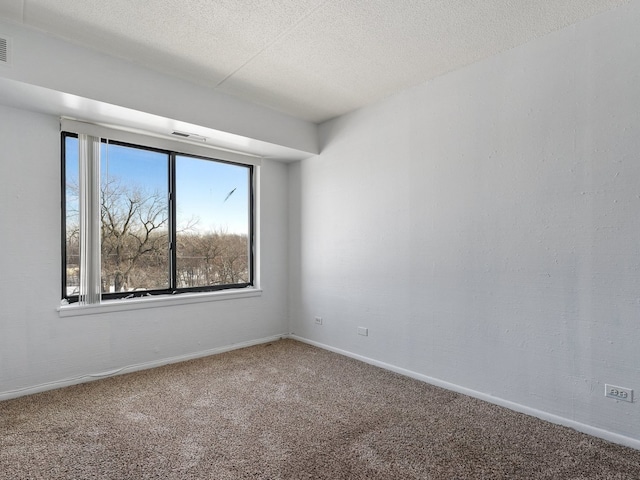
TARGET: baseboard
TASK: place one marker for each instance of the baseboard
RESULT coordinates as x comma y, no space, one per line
549,417
7,395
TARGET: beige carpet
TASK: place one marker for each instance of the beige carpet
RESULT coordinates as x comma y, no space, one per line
287,411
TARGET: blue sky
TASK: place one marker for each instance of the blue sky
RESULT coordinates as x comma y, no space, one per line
202,189
201,186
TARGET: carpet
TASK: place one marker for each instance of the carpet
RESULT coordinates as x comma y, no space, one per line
287,410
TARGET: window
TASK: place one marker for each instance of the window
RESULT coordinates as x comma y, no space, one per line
169,221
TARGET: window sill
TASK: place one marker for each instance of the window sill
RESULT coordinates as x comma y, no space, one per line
140,303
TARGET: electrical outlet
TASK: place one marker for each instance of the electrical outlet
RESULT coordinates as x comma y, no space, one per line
363,331
619,393
318,320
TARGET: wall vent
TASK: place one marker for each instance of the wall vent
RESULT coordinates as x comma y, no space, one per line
5,50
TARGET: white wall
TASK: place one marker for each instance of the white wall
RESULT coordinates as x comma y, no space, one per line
485,227
37,347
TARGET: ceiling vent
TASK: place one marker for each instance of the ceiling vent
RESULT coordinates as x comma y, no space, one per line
5,50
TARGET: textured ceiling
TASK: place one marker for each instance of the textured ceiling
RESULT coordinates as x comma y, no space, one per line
313,59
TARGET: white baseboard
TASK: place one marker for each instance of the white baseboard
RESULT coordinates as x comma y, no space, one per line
549,417
581,427
133,368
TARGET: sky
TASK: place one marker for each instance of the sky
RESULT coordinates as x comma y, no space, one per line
202,187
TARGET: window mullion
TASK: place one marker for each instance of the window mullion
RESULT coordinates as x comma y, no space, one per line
172,223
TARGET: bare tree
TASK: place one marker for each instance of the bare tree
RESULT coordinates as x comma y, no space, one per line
72,250
133,233
234,268
213,258
197,257
135,244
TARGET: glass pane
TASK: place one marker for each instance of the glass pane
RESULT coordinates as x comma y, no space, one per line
212,223
134,219
72,210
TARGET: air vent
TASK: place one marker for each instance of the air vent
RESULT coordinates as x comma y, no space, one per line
5,50
190,136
